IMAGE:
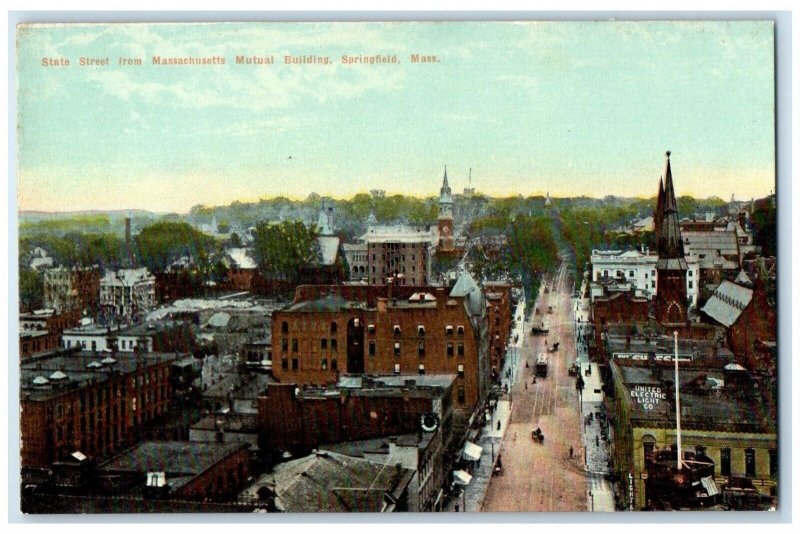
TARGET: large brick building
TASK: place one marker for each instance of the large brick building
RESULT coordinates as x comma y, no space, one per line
68,289
724,418
86,402
328,331
295,419
498,310
191,470
400,252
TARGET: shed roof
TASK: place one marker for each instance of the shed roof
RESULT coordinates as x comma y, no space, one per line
727,303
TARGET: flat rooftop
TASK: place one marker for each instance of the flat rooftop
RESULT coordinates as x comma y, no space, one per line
41,377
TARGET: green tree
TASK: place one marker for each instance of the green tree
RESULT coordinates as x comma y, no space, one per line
31,289
162,243
281,250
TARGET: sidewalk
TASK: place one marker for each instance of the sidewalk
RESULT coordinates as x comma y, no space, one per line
600,493
482,474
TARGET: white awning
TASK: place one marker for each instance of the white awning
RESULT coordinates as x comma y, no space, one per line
461,477
472,451
710,486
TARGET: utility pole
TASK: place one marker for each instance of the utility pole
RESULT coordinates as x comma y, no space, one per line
678,403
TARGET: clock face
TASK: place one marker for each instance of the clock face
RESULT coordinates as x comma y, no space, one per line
445,230
429,422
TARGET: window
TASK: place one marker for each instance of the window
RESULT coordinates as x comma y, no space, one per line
750,463
295,364
690,284
334,327
371,329
284,345
422,368
421,331
294,345
372,348
449,349
653,283
285,364
725,462
653,272
689,274
397,368
605,273
460,330
462,397
397,348
323,344
448,330
334,345
334,365
630,273
461,370
324,365
496,320
396,330
460,349
648,443
773,462
285,327
421,349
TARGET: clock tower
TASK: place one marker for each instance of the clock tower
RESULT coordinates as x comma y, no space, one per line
445,216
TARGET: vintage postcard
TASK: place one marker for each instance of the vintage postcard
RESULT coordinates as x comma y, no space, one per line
397,267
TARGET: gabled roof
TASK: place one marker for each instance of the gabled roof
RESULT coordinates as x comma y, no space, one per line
333,482
727,303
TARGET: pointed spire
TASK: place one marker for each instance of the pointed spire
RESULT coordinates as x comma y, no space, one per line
659,207
669,190
670,244
445,184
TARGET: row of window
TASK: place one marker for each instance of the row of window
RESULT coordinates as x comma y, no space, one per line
448,329
725,459
334,366
632,274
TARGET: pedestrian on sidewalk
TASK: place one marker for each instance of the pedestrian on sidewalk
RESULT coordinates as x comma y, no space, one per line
596,437
570,452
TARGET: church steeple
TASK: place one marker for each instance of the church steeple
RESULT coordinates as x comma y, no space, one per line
445,199
669,241
445,216
444,192
671,299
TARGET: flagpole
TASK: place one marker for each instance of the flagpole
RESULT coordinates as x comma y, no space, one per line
678,402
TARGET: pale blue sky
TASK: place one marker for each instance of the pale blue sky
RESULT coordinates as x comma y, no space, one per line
569,108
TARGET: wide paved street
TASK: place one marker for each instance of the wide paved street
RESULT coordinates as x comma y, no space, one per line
543,477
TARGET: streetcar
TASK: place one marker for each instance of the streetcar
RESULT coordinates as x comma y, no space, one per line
541,364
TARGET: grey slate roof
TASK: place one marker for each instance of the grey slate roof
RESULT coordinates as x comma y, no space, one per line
727,303
332,482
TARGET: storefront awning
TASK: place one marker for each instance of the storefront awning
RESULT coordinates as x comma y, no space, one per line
461,477
472,452
710,486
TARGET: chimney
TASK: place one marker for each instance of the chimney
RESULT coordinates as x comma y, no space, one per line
441,299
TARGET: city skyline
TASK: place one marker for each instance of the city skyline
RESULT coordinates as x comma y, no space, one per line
567,108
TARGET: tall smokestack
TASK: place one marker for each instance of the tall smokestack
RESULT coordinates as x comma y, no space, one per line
128,241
